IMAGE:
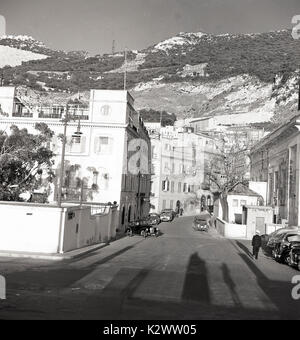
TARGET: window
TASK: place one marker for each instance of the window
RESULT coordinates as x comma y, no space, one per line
105,110
164,204
235,203
179,187
185,187
172,187
171,204
165,185
75,144
95,177
103,145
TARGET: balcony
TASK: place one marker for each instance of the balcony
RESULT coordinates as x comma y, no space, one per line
50,115
22,114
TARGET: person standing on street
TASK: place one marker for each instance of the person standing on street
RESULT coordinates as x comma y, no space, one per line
256,244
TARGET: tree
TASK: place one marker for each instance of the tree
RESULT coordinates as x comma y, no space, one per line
228,168
25,160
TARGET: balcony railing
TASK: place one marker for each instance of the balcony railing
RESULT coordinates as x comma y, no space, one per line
22,114
50,115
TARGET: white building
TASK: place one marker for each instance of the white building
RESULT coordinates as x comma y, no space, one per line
178,179
112,158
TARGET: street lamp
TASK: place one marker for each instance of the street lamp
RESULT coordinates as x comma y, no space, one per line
76,135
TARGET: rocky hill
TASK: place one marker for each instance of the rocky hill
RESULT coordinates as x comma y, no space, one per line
191,75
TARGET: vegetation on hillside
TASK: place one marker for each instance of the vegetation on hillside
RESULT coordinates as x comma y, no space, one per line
153,116
262,55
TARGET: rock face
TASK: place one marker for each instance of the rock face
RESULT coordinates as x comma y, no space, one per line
236,94
13,57
191,75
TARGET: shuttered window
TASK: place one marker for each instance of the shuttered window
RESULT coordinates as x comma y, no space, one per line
103,145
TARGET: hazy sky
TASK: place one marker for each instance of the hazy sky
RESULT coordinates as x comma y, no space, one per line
92,25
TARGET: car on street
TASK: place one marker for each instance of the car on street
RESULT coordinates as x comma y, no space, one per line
202,222
283,245
137,227
273,238
154,219
167,215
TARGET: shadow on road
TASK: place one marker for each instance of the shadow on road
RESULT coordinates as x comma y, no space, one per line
278,292
195,286
231,285
244,249
55,275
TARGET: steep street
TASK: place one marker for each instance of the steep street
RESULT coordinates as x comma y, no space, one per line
183,274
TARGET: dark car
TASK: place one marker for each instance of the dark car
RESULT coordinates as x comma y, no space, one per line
137,227
154,219
167,215
277,235
202,222
283,246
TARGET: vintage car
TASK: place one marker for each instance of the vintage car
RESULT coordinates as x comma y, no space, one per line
154,219
275,236
202,222
282,248
167,215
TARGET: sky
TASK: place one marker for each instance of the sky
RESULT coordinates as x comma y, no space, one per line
92,25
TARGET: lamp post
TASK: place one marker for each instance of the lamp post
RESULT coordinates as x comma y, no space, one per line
77,135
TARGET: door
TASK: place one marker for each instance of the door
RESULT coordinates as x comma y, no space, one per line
260,225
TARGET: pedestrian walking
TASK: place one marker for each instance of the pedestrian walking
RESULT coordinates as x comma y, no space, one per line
256,244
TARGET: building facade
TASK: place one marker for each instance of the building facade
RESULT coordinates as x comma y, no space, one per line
110,161
179,157
275,160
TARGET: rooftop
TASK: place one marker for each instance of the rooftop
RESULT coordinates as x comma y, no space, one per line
243,190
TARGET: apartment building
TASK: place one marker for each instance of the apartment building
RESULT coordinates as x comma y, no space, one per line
110,162
275,160
178,178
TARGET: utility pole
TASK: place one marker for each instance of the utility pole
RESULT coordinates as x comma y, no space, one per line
62,162
125,70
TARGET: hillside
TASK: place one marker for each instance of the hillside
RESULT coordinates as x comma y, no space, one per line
192,74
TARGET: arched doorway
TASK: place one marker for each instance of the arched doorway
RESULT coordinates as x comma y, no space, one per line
178,205
203,202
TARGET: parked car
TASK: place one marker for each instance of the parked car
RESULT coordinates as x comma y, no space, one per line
273,238
283,245
167,215
154,219
293,258
137,227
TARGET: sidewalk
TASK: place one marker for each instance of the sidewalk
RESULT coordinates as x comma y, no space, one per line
54,257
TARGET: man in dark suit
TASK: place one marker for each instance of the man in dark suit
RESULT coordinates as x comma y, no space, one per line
256,244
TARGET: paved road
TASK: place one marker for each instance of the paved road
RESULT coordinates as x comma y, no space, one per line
183,274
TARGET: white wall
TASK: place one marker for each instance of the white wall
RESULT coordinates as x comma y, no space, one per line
229,230
250,200
7,95
47,229
261,188
29,228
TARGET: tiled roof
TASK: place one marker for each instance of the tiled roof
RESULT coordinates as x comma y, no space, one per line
243,190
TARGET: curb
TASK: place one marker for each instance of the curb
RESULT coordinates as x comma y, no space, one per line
55,257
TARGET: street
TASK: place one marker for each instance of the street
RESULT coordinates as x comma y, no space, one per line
181,275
